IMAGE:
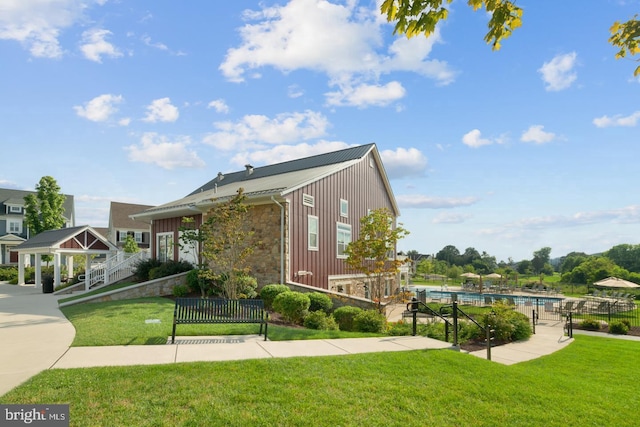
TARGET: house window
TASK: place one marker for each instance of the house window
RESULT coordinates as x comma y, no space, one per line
312,232
344,208
122,236
138,236
15,227
15,209
344,238
308,200
164,247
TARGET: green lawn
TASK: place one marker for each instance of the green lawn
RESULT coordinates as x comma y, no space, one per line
592,382
125,323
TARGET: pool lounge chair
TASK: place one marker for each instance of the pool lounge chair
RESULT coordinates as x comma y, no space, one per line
580,307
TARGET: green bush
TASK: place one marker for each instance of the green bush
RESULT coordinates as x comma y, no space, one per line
268,293
9,274
180,290
590,324
618,328
320,301
370,321
194,282
626,322
399,329
143,267
345,315
319,320
508,324
292,305
247,287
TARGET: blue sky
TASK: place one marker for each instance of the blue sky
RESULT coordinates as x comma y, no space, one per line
142,101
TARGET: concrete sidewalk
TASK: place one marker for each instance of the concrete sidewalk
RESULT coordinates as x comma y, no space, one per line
36,336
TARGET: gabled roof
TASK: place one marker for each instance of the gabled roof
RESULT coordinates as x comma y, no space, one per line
119,216
16,197
52,240
307,163
267,181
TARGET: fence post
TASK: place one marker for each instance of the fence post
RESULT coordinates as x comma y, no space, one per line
533,321
455,320
489,339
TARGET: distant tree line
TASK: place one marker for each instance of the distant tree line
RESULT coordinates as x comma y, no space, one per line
622,261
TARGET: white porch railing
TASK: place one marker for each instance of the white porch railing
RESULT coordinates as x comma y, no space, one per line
117,268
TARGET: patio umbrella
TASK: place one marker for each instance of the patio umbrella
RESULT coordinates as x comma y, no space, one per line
470,275
493,276
614,282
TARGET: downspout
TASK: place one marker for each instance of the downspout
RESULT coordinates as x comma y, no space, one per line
281,239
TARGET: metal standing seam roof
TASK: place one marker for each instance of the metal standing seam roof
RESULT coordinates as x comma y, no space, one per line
278,180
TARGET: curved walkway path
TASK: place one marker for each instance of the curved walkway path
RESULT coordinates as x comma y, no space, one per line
34,333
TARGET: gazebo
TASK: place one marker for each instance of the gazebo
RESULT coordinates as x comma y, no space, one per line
67,242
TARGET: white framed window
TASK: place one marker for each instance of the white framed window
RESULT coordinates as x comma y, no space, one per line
343,238
14,226
15,209
344,208
138,236
312,232
308,200
164,246
122,236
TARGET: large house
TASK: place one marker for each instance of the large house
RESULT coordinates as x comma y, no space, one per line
304,213
122,225
13,230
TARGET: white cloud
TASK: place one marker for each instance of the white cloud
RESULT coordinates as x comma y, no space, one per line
284,153
94,45
537,135
147,40
159,150
451,218
38,24
366,95
100,108
294,91
618,120
558,74
344,41
219,105
254,130
404,162
474,139
161,110
418,201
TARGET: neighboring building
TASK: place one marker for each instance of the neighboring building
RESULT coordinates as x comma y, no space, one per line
122,225
13,229
304,212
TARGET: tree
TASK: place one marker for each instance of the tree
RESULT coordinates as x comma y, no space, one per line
414,17
626,36
130,246
228,243
541,257
45,209
191,239
450,254
373,253
626,256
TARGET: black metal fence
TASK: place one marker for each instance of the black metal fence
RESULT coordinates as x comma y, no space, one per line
549,308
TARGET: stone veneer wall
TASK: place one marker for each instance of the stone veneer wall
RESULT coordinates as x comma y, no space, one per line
153,288
265,260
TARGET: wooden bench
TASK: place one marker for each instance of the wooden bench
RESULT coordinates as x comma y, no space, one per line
218,310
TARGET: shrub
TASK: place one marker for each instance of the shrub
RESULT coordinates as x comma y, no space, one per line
508,324
9,274
180,290
345,315
194,282
618,328
247,287
292,305
590,324
627,322
319,320
268,293
320,301
370,321
400,328
143,268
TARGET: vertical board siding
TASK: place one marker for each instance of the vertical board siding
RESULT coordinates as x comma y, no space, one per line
167,225
364,189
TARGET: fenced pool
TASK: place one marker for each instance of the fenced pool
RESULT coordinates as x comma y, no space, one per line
475,298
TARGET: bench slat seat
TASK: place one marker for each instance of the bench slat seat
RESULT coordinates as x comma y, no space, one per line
218,310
